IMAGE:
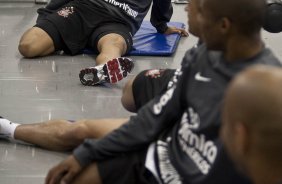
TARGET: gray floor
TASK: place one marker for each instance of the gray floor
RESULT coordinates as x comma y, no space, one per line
33,90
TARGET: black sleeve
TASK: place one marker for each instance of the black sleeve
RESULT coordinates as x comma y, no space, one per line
156,116
161,14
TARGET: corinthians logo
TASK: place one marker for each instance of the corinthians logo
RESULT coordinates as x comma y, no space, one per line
201,150
155,73
65,12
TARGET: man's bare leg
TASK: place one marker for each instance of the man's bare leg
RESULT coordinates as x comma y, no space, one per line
127,98
36,42
62,135
110,46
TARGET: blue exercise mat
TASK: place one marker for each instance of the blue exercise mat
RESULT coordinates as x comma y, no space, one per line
147,42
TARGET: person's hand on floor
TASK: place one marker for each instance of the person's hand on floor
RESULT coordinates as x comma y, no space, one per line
172,29
65,172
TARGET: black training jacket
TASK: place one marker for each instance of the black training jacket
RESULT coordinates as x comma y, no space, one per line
183,123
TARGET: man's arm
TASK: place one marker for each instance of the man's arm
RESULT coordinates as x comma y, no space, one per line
161,14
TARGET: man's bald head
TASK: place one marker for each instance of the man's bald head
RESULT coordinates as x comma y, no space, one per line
248,15
254,99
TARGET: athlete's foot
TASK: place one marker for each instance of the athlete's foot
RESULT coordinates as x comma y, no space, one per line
111,72
7,128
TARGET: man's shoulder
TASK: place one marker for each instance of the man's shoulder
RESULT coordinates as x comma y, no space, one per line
201,54
197,49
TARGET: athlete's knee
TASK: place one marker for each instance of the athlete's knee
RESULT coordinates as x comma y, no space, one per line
127,98
112,42
28,44
35,42
75,133
26,48
119,41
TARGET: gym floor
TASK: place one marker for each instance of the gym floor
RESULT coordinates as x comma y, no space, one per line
35,90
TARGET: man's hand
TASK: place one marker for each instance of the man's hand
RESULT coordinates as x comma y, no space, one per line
171,30
64,172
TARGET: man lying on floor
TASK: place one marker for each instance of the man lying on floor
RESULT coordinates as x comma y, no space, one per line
105,26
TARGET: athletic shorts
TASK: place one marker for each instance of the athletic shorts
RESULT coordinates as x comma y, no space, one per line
150,83
80,24
126,169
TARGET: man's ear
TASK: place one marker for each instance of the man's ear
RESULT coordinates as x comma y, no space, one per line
225,25
242,138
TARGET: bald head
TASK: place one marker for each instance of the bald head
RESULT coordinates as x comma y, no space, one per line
248,15
254,98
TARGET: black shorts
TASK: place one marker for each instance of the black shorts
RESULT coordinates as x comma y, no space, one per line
80,24
150,83
126,169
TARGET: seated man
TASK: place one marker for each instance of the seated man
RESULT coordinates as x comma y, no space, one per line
252,123
105,26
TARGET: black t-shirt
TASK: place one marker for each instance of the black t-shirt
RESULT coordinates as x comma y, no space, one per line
132,12
129,12
184,123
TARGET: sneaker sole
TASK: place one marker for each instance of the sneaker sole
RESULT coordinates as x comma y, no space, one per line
88,71
114,70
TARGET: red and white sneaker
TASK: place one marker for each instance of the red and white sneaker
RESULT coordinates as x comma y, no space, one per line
111,72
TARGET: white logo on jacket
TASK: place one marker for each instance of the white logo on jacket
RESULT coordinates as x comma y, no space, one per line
163,101
191,118
168,173
157,108
174,79
201,150
199,77
124,7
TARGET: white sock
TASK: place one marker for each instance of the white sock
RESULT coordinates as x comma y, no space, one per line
7,128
